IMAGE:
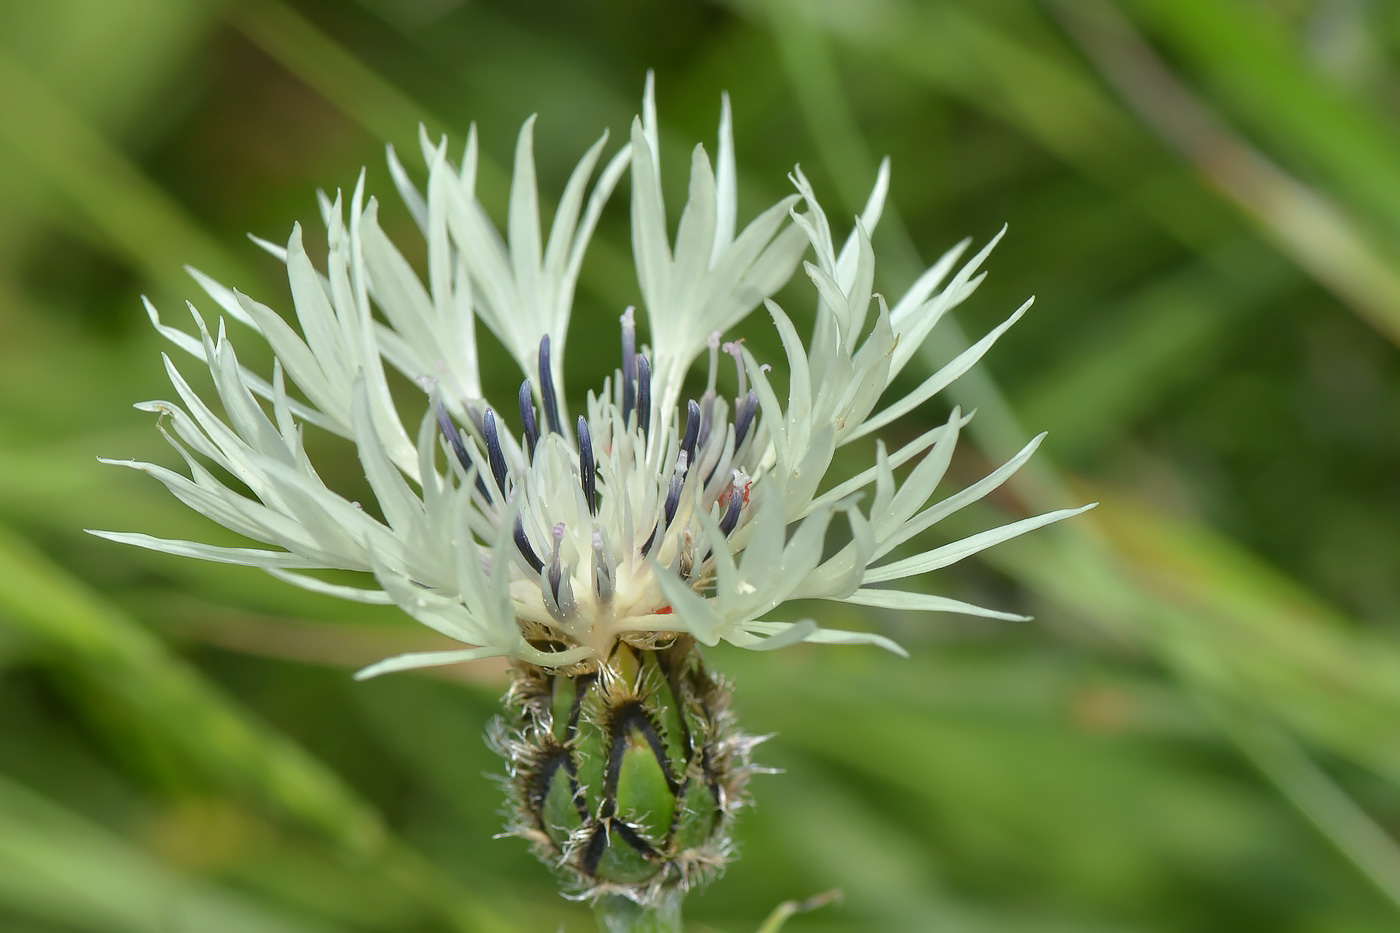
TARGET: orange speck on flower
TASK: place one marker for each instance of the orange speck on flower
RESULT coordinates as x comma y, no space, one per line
722,500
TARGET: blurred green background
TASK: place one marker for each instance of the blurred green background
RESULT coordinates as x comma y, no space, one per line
1200,732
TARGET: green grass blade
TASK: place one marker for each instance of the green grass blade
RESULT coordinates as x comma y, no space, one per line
76,629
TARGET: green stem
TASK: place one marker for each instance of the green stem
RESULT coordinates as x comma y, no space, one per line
784,911
617,914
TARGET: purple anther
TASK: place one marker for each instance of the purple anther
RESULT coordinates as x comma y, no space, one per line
494,453
707,418
747,409
673,494
692,431
459,448
527,419
454,437
587,469
551,404
730,518
643,393
522,544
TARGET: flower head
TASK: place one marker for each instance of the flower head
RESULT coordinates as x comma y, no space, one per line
523,530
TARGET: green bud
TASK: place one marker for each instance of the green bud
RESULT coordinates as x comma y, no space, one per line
625,778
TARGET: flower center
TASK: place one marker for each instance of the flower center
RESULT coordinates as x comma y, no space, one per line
598,510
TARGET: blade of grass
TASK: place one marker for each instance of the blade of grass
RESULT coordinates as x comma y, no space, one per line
1348,827
133,216
1211,578
806,54
388,113
61,869
789,909
1285,665
76,629
1152,343
1260,637
1247,58
347,83
1304,223
1043,96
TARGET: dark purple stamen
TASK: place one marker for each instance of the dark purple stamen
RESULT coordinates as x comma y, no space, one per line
556,569
747,409
692,431
587,470
475,415
494,453
454,439
556,575
651,539
708,407
522,544
551,404
668,510
643,393
673,494
731,511
527,419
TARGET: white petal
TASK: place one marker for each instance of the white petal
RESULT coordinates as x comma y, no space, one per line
783,634
338,590
941,379
917,322
925,602
225,297
397,289
869,219
695,613
650,245
251,557
566,214
898,458
696,232
952,553
524,223
421,659
926,283
958,500
402,508
412,197
835,636
726,189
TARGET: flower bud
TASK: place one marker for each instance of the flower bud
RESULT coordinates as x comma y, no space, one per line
625,778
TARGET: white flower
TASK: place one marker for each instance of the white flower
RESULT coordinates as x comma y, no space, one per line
523,532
